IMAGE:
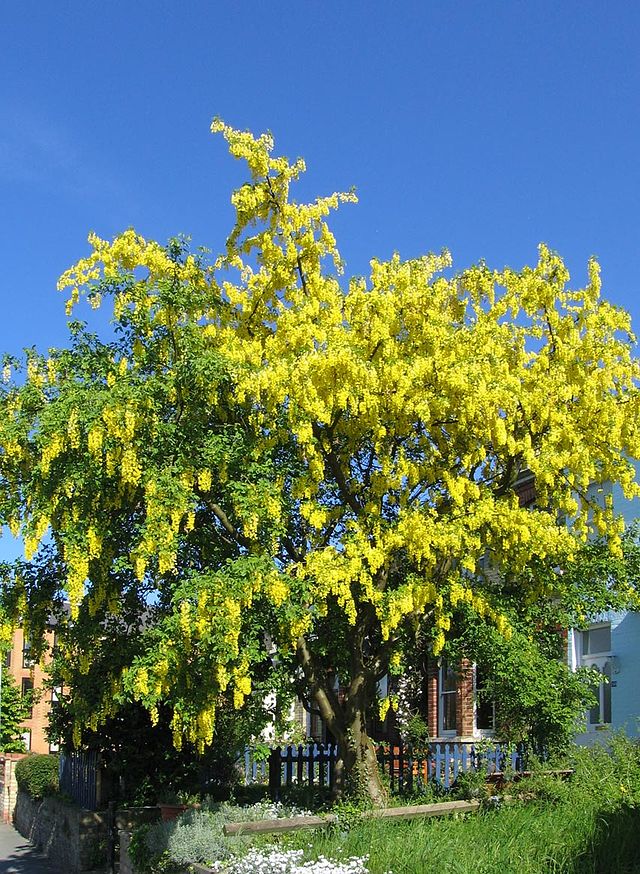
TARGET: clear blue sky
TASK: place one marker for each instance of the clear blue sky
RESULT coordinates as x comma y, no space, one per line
483,127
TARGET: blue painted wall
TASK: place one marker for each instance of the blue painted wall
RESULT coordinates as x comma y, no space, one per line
625,647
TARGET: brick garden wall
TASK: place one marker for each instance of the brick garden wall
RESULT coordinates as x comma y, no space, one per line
8,784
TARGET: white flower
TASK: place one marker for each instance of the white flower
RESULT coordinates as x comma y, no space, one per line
276,861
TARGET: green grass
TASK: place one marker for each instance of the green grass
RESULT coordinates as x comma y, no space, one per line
523,839
587,825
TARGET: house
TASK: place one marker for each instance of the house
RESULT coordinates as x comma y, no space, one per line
30,675
611,645
454,709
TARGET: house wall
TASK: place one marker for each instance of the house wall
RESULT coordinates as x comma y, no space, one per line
39,720
625,681
625,642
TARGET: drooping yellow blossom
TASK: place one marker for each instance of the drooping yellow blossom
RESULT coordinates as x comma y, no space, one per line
289,448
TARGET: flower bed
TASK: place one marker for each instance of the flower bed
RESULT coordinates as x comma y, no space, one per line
198,836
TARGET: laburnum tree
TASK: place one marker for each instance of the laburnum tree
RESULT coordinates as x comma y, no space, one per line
305,472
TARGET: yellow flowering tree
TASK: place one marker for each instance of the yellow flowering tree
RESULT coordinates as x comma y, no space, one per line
306,470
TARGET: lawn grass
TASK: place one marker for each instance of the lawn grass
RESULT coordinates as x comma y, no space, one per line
589,824
519,839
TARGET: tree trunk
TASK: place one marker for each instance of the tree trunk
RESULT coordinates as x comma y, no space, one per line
357,773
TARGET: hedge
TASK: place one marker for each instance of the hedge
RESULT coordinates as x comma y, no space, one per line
37,775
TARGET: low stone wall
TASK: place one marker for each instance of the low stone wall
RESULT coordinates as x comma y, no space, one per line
126,820
72,838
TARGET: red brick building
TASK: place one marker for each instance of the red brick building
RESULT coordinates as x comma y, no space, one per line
29,675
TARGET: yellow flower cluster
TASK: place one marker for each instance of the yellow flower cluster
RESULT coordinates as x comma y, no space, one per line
411,401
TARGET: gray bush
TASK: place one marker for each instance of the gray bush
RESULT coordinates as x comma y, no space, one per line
197,835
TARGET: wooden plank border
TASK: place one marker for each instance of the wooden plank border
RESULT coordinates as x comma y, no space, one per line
444,808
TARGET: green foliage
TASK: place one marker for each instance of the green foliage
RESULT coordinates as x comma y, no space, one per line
37,775
545,788
14,709
197,835
471,786
417,730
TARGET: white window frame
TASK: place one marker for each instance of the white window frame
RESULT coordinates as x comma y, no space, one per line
442,671
601,661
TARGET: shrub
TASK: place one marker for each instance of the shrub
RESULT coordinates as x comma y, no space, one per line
546,788
37,775
197,835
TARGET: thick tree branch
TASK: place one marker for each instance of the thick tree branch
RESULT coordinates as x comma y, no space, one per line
222,517
337,471
325,697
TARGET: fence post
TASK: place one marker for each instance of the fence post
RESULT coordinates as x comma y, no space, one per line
447,767
300,770
275,774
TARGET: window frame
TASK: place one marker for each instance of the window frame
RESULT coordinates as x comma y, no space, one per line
603,662
446,669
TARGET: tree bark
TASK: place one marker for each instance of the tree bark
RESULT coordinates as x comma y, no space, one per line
357,773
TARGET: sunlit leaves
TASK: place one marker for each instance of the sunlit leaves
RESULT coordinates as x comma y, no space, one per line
268,448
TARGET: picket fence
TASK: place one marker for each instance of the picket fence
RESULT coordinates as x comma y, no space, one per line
406,767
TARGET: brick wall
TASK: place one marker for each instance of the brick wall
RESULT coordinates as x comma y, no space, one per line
8,785
23,670
464,700
432,696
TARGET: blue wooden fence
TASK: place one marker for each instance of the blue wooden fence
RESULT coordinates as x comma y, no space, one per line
406,767
440,762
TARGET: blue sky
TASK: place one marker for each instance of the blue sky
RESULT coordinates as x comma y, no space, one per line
483,127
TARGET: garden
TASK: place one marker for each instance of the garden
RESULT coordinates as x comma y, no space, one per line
540,823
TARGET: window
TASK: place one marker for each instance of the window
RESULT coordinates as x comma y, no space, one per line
26,737
448,682
27,661
316,726
596,641
485,703
27,688
596,654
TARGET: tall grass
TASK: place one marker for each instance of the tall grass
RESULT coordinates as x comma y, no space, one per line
590,825
526,840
